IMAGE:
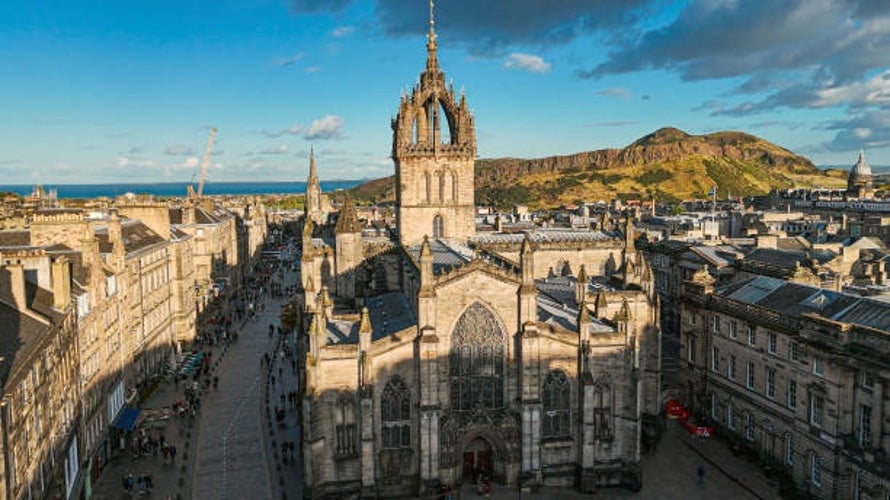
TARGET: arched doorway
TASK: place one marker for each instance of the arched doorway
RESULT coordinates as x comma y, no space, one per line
478,459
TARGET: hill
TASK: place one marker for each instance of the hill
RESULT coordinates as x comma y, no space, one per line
668,163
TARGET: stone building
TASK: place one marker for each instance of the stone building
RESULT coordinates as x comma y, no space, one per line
38,372
795,375
439,355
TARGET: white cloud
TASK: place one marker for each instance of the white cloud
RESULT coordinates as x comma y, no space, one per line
288,61
328,127
311,69
276,150
191,161
528,62
294,129
341,31
178,150
618,92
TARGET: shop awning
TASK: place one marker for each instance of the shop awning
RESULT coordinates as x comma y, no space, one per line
127,418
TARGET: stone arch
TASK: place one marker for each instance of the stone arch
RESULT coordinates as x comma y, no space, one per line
478,359
500,454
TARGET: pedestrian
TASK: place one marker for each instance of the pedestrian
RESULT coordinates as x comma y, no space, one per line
701,474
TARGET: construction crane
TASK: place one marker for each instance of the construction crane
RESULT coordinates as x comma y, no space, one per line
204,166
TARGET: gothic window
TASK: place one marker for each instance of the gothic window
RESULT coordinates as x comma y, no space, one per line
441,176
395,414
345,428
477,360
557,406
428,184
602,410
438,227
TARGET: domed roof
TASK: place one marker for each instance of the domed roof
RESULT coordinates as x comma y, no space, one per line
861,168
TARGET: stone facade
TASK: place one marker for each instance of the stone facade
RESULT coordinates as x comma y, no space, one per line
440,355
39,376
794,374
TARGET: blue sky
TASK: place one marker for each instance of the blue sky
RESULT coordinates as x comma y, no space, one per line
127,91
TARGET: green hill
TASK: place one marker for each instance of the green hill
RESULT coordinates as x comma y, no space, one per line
668,163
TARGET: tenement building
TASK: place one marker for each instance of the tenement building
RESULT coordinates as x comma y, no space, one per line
439,355
795,375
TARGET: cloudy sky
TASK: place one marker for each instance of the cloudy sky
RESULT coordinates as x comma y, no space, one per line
95,91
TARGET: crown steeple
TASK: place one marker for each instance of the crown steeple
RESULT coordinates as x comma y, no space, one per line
432,64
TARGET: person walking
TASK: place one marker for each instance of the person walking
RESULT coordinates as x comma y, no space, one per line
701,475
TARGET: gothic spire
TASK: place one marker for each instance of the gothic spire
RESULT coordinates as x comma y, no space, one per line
313,174
432,64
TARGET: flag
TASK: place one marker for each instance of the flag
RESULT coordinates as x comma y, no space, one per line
713,191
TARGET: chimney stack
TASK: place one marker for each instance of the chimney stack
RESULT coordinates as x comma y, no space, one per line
61,282
12,283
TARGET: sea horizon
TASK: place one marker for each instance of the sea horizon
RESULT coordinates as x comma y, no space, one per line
167,189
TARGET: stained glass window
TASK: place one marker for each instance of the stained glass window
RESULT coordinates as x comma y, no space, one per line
557,405
346,428
477,360
395,414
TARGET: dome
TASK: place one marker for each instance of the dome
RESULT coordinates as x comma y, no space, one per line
861,168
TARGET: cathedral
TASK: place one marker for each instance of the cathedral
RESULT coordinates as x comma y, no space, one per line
436,353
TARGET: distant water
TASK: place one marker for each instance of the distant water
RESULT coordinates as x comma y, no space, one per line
178,188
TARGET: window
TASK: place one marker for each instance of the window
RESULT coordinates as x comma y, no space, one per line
730,367
714,411
730,417
715,359
817,408
752,336
792,394
818,367
691,318
815,469
690,350
715,324
789,449
867,380
395,415
557,405
345,428
749,427
771,383
749,375
733,329
477,360
602,410
865,426
771,342
794,351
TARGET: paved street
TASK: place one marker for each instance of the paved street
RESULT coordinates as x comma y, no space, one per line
232,447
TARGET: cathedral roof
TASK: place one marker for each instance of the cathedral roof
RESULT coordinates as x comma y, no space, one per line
557,305
447,255
389,313
543,236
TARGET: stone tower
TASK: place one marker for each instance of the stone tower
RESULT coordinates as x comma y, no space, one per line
348,236
434,149
313,193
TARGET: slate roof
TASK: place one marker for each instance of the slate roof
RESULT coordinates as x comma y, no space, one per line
136,235
15,238
446,255
794,299
389,313
775,257
557,305
542,236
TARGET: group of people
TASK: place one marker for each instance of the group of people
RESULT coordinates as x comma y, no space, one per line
142,482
